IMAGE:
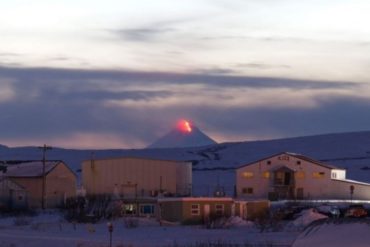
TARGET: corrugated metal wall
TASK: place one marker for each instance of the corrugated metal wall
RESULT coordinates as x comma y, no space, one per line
129,177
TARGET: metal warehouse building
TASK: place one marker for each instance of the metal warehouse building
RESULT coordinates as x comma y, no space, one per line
131,177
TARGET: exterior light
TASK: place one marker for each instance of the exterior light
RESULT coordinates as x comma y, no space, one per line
110,230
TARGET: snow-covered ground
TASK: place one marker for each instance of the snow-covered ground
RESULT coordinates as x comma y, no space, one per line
52,230
338,235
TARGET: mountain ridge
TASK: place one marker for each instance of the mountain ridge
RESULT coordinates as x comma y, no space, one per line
183,136
215,164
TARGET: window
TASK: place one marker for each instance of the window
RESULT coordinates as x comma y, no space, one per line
279,178
219,209
195,209
318,174
333,175
266,174
284,157
129,209
247,174
247,191
298,162
147,209
269,162
300,175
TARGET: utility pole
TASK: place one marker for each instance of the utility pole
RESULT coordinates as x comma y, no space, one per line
44,149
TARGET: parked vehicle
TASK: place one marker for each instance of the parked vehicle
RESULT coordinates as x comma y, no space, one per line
329,210
335,212
356,211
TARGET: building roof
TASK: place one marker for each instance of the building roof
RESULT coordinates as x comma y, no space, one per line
31,169
138,158
298,156
302,157
195,199
349,181
10,184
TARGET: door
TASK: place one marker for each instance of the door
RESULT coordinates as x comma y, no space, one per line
299,193
233,213
287,178
206,212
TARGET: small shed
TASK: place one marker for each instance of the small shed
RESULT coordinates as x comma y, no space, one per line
193,210
12,195
60,182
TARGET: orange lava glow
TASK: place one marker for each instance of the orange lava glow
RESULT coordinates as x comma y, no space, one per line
184,126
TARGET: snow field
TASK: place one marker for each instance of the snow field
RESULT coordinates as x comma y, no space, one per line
51,230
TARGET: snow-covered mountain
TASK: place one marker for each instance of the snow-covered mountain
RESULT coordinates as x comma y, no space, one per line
184,135
214,165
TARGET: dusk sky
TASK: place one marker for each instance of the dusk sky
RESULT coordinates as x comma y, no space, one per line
119,74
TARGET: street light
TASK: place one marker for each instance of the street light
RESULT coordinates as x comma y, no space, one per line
110,230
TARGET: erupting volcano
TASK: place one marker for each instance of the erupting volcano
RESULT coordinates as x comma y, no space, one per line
184,135
184,126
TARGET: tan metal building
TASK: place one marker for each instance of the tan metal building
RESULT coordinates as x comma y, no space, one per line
294,176
60,182
131,177
192,210
12,195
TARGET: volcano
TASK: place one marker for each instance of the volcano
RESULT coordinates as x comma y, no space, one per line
184,135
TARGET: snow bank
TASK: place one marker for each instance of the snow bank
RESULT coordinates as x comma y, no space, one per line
307,217
338,235
236,221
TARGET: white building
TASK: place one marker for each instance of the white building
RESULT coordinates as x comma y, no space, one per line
294,176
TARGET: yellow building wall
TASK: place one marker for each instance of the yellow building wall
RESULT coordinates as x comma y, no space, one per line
127,176
60,183
313,188
34,188
181,210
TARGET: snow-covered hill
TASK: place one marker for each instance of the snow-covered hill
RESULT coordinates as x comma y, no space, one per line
214,164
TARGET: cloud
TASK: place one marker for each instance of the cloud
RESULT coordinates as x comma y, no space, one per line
9,54
60,58
214,71
6,90
108,108
262,66
142,34
262,38
43,76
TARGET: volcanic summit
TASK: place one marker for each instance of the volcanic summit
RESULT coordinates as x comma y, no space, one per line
185,134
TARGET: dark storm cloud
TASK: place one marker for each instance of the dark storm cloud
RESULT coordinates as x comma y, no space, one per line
58,102
115,77
337,114
215,71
